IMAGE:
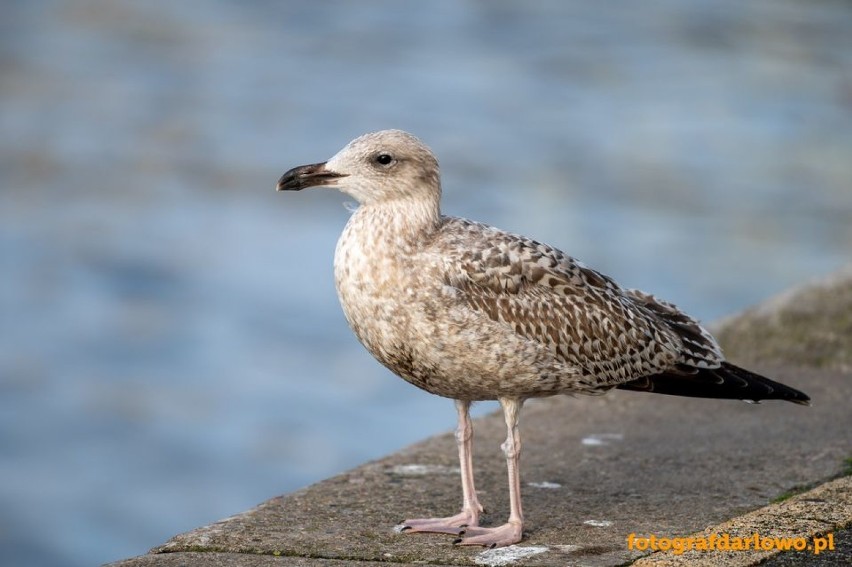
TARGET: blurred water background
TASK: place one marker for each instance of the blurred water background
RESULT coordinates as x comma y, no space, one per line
172,348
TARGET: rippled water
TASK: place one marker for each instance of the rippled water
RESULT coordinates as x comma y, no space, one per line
172,349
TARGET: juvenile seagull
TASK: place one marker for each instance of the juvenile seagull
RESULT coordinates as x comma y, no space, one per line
469,312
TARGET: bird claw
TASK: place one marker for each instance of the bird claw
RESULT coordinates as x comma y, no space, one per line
499,536
454,525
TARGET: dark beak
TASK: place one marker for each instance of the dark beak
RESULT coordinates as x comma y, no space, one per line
304,176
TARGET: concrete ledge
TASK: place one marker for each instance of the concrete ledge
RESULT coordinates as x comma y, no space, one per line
594,469
816,512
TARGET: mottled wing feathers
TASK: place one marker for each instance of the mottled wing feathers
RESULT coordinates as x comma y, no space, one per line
698,347
610,334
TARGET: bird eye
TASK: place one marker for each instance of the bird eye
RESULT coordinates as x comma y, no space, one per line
384,159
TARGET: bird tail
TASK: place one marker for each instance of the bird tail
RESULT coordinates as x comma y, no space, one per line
726,382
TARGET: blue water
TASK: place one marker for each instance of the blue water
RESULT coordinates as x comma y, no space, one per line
172,351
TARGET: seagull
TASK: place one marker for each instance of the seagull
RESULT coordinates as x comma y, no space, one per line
469,312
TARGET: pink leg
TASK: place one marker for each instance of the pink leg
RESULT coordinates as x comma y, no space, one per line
469,516
511,531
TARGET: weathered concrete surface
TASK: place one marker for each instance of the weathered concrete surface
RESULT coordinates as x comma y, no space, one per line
617,464
207,559
840,555
817,511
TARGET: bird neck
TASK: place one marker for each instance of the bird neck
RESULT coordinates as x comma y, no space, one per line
409,218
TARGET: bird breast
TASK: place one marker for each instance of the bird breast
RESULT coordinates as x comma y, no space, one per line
373,269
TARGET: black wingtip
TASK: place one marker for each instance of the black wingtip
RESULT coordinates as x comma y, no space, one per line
726,382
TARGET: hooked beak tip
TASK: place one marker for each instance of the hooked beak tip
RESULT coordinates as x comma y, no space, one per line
282,184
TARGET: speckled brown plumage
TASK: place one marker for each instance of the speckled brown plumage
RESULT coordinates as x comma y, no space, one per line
466,311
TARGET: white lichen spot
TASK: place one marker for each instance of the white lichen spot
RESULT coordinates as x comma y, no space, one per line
421,470
598,523
598,439
545,484
507,555
568,548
